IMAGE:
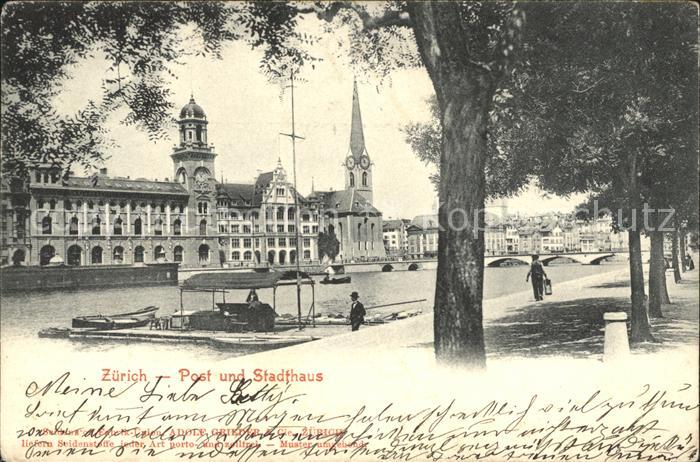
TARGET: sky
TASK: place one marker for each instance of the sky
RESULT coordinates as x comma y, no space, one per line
246,113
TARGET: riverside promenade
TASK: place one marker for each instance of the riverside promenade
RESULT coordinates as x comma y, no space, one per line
567,323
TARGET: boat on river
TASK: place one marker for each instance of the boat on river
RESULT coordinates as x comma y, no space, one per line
139,318
345,280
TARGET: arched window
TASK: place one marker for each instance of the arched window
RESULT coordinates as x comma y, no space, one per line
177,254
96,255
271,257
359,235
96,226
372,234
203,208
235,255
290,213
203,227
118,255
280,213
74,256
283,257
18,257
203,253
307,255
352,179
292,256
364,178
118,226
158,227
257,256
67,205
46,227
74,227
138,254
46,254
138,227
177,227
247,255
159,253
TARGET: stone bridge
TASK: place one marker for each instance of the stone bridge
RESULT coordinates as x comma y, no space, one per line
585,258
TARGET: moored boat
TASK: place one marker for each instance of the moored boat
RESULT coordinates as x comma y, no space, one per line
345,280
128,320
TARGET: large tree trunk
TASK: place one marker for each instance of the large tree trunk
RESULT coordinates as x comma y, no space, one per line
657,275
641,331
464,93
681,245
674,255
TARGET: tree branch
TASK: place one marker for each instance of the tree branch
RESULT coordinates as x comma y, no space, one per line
328,12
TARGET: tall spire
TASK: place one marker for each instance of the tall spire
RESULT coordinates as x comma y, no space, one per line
357,137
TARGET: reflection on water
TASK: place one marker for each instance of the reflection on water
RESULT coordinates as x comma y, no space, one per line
23,315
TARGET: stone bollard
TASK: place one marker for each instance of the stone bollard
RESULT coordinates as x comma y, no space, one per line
616,345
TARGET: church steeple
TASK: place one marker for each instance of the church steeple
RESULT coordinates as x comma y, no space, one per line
357,136
358,173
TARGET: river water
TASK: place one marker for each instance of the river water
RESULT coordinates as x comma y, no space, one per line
23,315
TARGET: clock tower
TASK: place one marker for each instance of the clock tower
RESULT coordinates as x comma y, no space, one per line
193,162
358,166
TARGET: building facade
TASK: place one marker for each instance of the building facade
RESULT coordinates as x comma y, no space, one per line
395,236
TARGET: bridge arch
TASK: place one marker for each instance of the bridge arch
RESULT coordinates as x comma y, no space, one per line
387,268
413,267
549,258
597,260
499,260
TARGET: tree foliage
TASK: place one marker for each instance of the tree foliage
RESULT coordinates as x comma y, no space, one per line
328,245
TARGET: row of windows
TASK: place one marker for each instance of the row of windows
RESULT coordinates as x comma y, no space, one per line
96,227
281,242
235,229
272,256
74,254
68,205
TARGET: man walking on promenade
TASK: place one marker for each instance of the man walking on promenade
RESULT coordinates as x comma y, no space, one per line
357,312
538,275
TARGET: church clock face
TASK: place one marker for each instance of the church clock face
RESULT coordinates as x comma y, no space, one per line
364,162
350,162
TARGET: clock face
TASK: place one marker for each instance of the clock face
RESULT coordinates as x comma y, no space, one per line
350,162
201,176
364,162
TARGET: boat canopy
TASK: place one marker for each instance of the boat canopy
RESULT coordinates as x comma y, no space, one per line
237,280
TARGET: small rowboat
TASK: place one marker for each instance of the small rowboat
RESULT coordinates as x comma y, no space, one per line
345,280
129,320
259,342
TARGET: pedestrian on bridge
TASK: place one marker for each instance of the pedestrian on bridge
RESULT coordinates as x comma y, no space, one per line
538,276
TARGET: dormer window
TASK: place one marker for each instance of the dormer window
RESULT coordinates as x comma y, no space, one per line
280,191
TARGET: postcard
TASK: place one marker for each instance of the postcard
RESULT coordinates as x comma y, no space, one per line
339,231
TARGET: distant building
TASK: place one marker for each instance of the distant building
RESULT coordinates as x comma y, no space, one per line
423,236
395,235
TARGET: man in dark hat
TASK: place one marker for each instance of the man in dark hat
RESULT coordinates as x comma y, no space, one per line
538,276
357,312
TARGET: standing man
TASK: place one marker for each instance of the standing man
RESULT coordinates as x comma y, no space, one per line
538,275
357,312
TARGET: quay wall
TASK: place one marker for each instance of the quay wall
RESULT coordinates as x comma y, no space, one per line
31,278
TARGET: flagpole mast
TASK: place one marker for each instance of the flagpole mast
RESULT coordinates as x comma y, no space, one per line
294,137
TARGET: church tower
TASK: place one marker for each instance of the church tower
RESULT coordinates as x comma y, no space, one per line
193,162
358,166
